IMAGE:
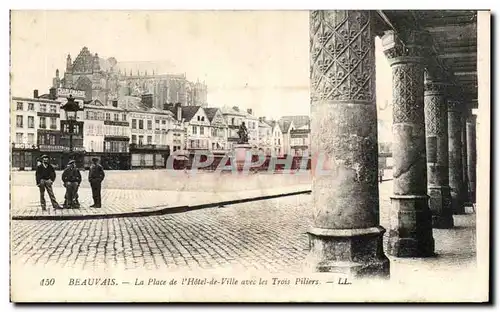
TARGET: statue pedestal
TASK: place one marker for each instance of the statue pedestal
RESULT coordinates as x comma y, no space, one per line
240,154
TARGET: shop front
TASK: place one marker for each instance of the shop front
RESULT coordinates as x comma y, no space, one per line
24,156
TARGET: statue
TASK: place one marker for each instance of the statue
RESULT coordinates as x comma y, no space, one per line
243,134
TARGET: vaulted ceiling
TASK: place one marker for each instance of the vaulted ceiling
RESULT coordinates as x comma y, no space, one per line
454,42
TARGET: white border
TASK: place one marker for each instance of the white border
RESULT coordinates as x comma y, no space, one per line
185,4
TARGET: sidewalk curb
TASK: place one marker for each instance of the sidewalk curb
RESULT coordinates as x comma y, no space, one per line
158,212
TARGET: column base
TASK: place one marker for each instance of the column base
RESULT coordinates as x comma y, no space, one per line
440,206
457,204
411,227
357,253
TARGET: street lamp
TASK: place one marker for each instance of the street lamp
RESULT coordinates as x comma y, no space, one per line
71,109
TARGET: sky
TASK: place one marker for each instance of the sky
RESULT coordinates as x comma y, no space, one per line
250,59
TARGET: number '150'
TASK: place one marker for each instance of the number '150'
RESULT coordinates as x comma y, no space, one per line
47,282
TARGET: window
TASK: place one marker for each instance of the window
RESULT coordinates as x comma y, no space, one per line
52,140
150,124
43,107
141,124
19,138
134,123
117,117
53,108
134,139
87,115
150,139
108,116
194,129
31,138
124,117
19,106
157,124
90,129
232,121
163,122
141,139
31,122
19,121
202,118
31,106
202,130
43,125
53,123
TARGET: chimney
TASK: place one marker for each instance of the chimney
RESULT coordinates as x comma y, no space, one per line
249,111
178,108
35,94
147,100
53,93
115,103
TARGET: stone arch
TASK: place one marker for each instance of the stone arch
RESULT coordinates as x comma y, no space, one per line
83,83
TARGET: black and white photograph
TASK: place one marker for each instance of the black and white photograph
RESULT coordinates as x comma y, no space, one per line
249,156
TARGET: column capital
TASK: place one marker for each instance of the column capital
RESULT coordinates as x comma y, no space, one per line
454,105
405,47
342,53
436,87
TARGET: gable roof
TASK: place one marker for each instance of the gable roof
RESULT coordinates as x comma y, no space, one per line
188,112
211,112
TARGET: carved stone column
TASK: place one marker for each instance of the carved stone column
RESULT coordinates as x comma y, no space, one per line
436,133
346,236
410,233
455,169
471,155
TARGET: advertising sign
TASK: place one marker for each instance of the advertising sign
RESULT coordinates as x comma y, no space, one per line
64,92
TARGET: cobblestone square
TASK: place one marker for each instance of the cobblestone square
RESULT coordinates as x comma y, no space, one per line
265,235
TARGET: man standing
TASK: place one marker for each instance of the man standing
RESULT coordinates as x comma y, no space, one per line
96,175
45,176
72,178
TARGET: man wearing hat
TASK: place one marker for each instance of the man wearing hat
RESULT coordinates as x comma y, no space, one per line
45,176
96,175
72,178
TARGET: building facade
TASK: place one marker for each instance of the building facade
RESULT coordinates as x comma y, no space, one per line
107,135
218,130
266,143
252,124
35,127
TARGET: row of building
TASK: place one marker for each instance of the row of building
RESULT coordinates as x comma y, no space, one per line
132,132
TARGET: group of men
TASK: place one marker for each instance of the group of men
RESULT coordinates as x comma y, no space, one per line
71,177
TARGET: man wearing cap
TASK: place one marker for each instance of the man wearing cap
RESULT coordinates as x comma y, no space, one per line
45,176
96,175
72,178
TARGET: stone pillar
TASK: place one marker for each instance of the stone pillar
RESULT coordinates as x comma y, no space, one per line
455,168
471,156
346,236
467,201
410,233
436,137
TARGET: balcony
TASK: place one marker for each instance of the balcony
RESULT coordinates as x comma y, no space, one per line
46,114
135,146
59,148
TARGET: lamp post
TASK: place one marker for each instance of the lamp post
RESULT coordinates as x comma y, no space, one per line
71,109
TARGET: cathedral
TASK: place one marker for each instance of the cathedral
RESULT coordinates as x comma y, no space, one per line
107,80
